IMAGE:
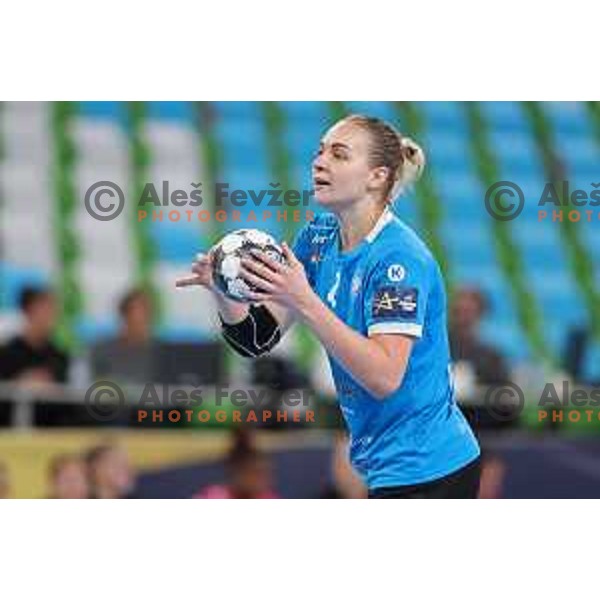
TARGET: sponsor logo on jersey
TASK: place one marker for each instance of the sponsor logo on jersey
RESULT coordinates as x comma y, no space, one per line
396,273
395,302
319,239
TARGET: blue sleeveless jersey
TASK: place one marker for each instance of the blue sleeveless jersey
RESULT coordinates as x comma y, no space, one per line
390,283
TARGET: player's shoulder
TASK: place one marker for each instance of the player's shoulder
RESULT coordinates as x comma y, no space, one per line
323,223
321,230
399,241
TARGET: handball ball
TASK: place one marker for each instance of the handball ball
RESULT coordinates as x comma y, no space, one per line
227,256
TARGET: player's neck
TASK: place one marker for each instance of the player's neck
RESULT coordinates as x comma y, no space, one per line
357,221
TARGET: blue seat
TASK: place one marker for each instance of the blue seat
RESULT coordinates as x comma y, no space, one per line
562,308
555,290
505,116
507,337
172,111
584,172
501,299
301,176
460,194
302,143
591,240
180,242
303,112
591,365
543,237
406,209
169,332
381,110
90,330
540,258
517,155
562,311
255,180
446,151
555,336
243,143
240,131
444,116
533,186
473,262
116,111
463,232
568,117
581,155
473,272
234,110
247,177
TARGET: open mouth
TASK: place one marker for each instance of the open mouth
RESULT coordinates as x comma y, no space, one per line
321,182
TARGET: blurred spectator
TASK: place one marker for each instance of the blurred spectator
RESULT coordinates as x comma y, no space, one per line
32,360
32,357
475,362
579,344
4,482
346,483
129,357
493,472
467,309
68,478
278,375
110,473
248,473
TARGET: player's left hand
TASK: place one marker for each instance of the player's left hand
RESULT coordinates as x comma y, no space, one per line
285,284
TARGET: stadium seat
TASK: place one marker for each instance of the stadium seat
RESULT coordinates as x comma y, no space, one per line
444,116
306,112
243,142
517,155
183,112
568,117
580,154
446,150
178,242
506,337
381,110
111,111
230,111
504,116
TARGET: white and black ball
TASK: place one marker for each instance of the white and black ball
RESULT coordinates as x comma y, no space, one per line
227,256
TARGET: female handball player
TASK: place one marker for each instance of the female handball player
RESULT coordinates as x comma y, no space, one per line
373,294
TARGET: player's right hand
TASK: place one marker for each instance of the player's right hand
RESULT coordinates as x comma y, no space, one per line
202,273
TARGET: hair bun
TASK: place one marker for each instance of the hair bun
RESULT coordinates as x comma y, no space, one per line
413,163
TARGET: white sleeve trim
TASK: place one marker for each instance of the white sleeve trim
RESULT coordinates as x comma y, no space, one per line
413,329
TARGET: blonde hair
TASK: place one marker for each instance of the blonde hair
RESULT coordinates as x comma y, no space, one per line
403,157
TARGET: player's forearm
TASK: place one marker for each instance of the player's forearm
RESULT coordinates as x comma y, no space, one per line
367,360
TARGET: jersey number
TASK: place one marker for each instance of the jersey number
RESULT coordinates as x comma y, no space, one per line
333,291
